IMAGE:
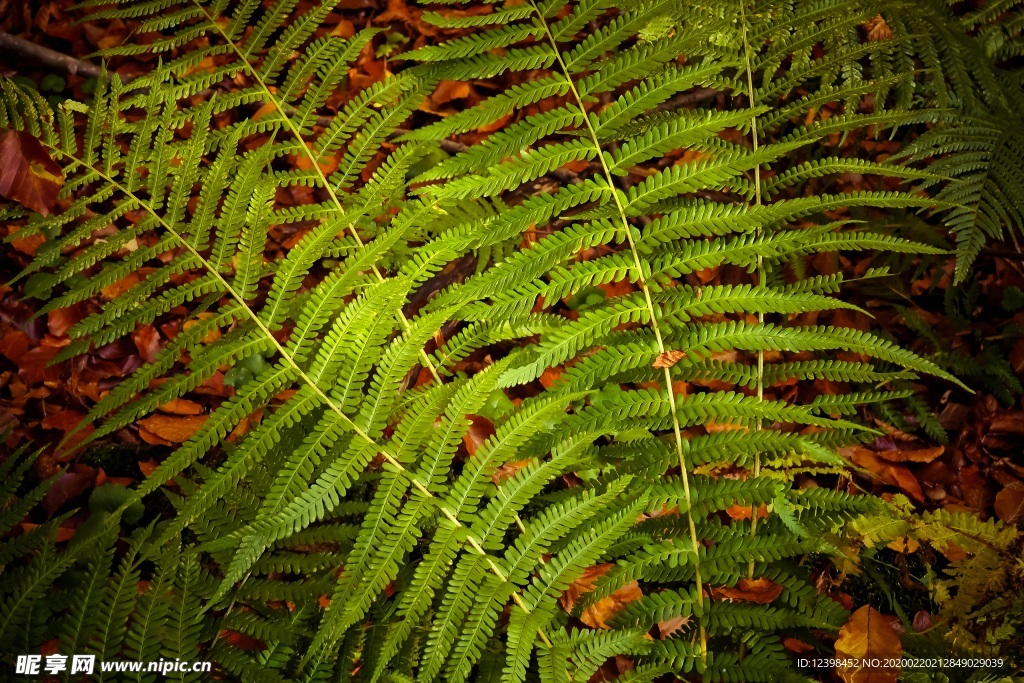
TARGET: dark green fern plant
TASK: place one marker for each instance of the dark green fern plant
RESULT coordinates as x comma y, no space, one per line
968,66
353,491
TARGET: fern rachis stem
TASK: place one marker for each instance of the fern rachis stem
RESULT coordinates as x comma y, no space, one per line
760,259
642,282
428,363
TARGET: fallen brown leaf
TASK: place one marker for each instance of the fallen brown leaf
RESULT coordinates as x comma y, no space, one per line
597,614
181,406
668,358
868,635
480,429
918,455
1010,503
27,173
889,473
760,590
583,584
173,428
507,470
668,627
794,645
147,341
119,287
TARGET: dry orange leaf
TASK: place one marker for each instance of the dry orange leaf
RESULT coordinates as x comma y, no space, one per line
904,544
744,512
877,29
106,36
264,110
344,29
671,626
1010,503
446,91
242,641
64,420
119,287
151,438
918,455
63,533
760,590
240,430
480,429
181,406
29,245
713,427
889,473
668,358
611,289
597,614
27,173
794,645
550,376
208,338
584,584
147,341
173,428
952,551
507,470
61,320
868,635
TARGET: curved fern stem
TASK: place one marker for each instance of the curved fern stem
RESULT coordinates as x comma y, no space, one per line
308,153
655,328
760,258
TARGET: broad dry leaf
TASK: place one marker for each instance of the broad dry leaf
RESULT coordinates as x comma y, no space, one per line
27,173
507,470
868,635
669,358
744,511
480,430
181,406
887,472
1010,503
877,29
119,287
584,584
147,341
147,467
760,590
173,428
211,336
669,627
795,645
446,91
597,615
917,455
64,420
550,376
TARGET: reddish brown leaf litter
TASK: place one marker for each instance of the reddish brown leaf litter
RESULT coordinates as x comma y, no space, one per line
27,173
760,590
